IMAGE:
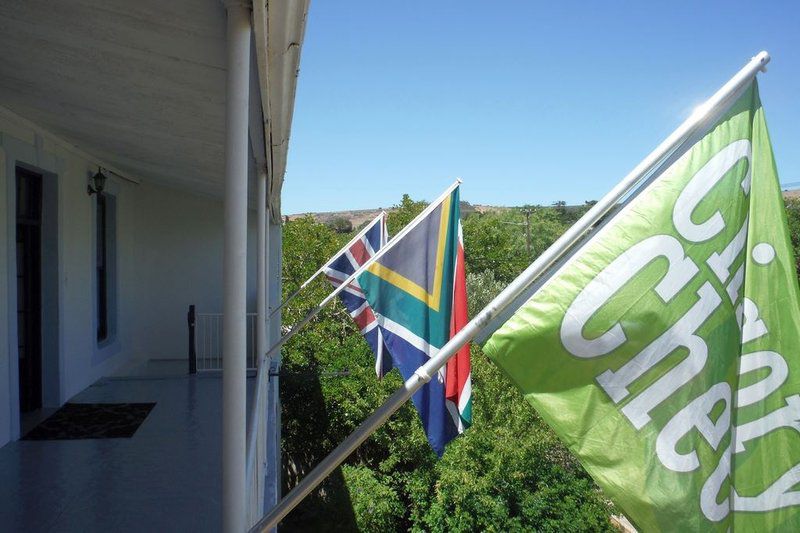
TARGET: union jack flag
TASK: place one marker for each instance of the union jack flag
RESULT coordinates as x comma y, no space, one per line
355,254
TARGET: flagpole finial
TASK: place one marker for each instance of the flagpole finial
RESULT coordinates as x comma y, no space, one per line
763,57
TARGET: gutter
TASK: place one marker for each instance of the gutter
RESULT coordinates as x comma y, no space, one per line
279,30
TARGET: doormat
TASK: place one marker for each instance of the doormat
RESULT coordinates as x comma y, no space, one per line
92,421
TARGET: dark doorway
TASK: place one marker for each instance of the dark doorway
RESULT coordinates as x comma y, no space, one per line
102,268
29,288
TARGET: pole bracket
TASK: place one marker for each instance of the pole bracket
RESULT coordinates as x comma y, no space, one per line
422,374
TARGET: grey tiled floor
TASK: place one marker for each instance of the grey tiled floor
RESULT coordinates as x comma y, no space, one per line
167,477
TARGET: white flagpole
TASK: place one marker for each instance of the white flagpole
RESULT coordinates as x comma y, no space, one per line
328,263
380,253
714,106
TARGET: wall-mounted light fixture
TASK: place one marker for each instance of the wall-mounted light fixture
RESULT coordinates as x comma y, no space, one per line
99,181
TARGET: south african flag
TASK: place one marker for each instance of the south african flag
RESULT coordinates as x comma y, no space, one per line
417,291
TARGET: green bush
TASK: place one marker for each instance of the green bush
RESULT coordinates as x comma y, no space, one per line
496,241
375,504
506,481
403,213
793,218
481,289
341,225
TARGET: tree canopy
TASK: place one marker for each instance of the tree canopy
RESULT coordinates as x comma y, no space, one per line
508,472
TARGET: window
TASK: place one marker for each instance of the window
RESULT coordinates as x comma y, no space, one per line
105,265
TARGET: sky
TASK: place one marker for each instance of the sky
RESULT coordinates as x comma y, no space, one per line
527,102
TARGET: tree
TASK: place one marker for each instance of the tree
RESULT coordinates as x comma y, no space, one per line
403,213
341,225
320,407
793,218
496,241
507,472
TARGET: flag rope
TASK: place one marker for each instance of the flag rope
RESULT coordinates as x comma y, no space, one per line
713,106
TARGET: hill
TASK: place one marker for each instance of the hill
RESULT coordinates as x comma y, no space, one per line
358,217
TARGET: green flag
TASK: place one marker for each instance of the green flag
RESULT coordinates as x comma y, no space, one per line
664,352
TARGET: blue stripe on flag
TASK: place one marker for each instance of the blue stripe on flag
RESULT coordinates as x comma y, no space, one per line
430,399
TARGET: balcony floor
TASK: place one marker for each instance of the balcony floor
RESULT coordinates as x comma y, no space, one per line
166,477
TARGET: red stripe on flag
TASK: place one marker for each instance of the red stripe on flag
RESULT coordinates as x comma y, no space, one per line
364,318
359,252
352,287
458,367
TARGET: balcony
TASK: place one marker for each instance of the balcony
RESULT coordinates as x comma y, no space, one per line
168,476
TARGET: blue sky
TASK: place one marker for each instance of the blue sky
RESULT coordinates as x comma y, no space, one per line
527,102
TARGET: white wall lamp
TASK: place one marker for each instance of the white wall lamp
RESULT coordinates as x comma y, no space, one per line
99,181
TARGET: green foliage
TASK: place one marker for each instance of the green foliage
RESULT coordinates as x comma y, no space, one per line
376,505
793,217
519,486
482,287
403,213
341,225
301,260
496,241
507,472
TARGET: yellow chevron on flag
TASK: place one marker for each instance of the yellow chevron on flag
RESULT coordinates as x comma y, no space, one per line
433,298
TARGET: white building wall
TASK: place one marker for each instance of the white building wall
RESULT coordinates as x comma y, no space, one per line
169,255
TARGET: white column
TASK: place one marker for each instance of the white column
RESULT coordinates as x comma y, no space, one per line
261,296
234,270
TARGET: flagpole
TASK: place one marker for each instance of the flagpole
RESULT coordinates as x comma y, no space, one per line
380,253
327,264
423,374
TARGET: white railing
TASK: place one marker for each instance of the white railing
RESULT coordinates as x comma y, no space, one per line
205,354
208,341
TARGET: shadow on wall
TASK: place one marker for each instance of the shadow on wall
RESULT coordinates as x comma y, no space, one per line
328,508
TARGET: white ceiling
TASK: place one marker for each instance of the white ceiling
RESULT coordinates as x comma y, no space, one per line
139,84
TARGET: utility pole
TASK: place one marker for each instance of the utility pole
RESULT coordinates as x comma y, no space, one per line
527,210
527,213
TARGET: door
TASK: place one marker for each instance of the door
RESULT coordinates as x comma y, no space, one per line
29,289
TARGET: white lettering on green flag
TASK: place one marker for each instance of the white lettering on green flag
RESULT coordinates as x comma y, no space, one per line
665,351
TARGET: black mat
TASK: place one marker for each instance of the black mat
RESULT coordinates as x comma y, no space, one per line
92,421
